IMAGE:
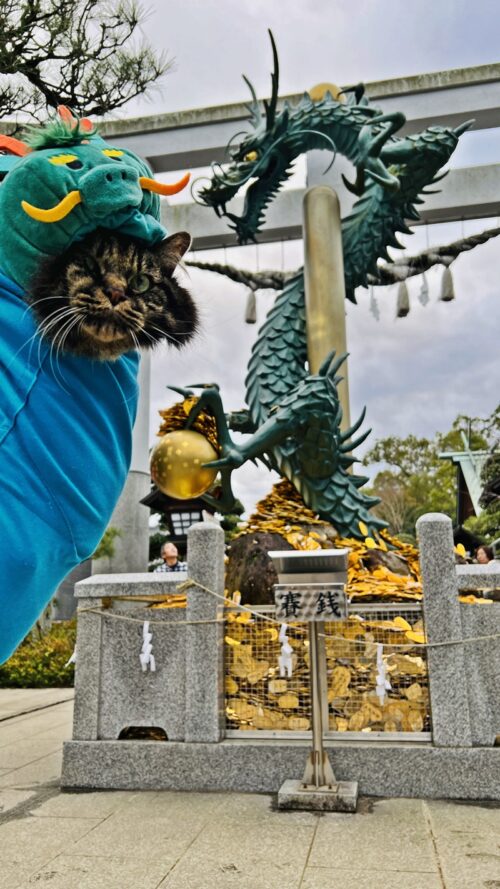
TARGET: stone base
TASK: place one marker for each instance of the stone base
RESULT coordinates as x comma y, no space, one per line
406,769
343,797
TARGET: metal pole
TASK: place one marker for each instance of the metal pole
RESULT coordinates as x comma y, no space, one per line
324,284
326,330
318,772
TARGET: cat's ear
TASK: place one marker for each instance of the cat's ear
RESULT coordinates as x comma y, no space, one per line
173,248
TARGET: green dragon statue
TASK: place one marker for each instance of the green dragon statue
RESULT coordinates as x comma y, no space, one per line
295,418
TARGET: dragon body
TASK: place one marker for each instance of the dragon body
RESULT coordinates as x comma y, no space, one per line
392,174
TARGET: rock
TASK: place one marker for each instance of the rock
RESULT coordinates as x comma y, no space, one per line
375,557
250,570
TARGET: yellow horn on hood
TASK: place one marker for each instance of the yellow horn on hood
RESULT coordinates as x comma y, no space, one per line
53,214
160,188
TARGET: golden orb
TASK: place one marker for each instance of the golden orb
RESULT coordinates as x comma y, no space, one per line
318,92
177,464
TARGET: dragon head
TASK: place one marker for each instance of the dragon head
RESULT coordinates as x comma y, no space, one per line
66,182
265,155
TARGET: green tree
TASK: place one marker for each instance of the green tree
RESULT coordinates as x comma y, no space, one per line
106,546
80,53
415,480
487,525
231,521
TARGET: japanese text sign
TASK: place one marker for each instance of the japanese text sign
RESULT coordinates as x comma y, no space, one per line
315,601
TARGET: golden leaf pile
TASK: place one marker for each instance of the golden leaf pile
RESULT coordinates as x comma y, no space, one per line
175,418
283,512
258,698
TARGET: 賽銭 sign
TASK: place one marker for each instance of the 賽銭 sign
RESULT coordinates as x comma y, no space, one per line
315,601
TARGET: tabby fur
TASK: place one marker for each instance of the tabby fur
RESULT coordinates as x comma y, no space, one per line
111,293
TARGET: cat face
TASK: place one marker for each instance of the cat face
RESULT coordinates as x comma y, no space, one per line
111,293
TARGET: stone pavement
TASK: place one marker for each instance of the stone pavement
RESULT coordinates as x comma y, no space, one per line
163,840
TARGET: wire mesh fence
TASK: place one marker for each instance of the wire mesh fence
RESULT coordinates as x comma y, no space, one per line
357,652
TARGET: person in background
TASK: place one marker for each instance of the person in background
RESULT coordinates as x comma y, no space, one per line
170,556
484,554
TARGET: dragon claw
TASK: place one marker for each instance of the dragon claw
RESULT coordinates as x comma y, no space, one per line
186,393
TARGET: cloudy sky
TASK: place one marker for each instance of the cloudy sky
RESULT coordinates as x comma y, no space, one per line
415,375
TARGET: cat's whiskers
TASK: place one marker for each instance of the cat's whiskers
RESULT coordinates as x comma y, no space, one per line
51,314
43,299
48,323
68,324
167,336
68,328
135,341
63,337
39,335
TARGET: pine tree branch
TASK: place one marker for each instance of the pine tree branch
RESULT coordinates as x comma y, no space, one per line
80,54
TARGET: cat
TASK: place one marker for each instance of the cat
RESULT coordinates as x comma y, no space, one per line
110,293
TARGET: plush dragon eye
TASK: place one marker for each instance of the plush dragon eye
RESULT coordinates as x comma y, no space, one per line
140,283
250,157
66,160
113,153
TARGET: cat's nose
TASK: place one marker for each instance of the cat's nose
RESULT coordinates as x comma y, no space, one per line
115,295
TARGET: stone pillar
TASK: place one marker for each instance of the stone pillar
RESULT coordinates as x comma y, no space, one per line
446,665
88,671
205,641
130,516
64,602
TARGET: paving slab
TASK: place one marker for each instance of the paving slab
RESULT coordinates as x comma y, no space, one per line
178,806
333,878
35,724
181,840
394,836
11,875
27,750
268,853
43,771
463,818
231,871
470,861
84,805
16,701
81,872
163,838
11,799
35,841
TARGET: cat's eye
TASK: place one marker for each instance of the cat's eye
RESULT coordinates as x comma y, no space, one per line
91,265
250,157
140,283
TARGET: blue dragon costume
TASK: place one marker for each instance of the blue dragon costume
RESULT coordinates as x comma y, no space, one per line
65,428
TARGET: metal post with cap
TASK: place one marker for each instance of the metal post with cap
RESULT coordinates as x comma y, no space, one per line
311,588
326,330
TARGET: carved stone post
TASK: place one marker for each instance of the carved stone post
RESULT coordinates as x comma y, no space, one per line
205,641
447,670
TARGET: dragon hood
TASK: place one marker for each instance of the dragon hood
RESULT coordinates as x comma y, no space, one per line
66,182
